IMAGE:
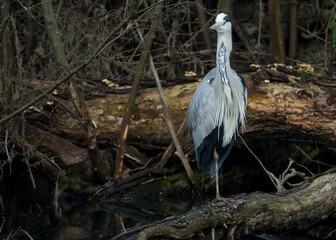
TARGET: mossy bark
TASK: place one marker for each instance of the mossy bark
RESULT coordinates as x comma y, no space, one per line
250,214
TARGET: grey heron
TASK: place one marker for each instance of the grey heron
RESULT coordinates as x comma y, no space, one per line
218,106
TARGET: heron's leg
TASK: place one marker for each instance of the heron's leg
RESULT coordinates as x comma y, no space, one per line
215,157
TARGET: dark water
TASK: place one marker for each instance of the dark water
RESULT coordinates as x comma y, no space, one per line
81,220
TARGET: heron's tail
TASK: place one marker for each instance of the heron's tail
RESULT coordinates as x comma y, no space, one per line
204,153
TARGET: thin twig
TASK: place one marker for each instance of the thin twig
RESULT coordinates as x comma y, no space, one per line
32,179
259,28
128,110
13,233
170,125
304,167
26,155
312,34
283,178
310,159
27,234
171,147
7,153
270,175
57,209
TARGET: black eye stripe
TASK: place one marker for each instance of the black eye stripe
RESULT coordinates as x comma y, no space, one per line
227,18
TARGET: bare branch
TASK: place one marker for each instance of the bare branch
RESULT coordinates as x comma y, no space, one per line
128,111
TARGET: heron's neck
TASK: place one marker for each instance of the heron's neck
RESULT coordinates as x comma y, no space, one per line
224,48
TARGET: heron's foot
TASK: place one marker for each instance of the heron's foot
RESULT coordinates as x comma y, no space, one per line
232,203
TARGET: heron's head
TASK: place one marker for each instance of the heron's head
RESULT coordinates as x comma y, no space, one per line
223,23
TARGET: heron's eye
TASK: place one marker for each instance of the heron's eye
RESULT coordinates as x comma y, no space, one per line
227,19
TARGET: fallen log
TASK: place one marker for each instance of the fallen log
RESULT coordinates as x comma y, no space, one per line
278,103
250,214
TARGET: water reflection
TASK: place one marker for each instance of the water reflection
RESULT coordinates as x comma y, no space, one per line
91,221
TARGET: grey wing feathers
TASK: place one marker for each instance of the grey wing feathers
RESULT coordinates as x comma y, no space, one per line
201,120
201,123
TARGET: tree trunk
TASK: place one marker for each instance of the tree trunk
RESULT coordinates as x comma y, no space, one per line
202,20
6,60
277,39
84,121
54,33
292,30
225,6
129,108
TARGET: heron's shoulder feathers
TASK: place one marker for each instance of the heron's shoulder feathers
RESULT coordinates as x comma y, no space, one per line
201,117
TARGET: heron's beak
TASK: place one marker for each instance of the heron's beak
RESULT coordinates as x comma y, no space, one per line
214,27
